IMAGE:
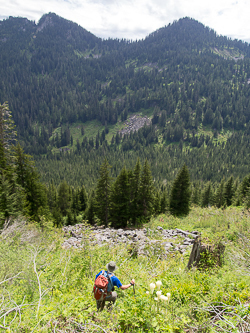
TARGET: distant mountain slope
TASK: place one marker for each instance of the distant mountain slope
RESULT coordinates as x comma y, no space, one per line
58,78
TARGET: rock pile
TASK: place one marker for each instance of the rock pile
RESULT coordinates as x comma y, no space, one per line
140,240
134,123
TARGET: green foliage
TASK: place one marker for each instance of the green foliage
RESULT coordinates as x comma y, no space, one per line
120,200
146,192
103,192
28,179
180,193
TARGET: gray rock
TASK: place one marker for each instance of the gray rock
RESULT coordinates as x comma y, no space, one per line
100,235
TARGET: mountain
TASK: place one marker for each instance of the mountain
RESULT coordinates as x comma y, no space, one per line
69,90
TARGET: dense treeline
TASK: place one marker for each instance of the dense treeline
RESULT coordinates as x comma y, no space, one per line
210,160
20,188
129,199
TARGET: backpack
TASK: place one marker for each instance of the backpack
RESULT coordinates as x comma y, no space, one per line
103,285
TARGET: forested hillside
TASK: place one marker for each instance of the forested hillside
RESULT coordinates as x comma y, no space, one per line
70,94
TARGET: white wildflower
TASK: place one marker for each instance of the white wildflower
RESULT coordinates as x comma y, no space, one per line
152,287
163,298
158,284
158,294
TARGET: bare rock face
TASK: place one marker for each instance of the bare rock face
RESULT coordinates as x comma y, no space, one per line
138,240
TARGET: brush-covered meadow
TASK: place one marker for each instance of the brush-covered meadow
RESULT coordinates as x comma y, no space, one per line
45,288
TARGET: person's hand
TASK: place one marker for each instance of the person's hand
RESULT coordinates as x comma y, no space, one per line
132,282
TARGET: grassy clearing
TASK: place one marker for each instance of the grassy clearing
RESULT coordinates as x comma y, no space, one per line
91,129
52,286
229,53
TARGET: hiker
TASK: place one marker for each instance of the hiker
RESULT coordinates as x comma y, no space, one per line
109,280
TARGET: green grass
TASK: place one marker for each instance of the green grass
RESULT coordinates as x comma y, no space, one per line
66,280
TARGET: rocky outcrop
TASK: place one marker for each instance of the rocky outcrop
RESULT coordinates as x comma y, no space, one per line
48,21
134,123
140,241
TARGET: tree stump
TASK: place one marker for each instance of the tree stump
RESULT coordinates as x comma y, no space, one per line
206,256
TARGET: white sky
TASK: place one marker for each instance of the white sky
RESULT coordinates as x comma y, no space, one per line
135,19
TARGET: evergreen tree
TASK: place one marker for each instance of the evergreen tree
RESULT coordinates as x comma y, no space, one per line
146,193
64,198
120,200
207,196
75,206
243,190
28,178
164,202
11,199
229,191
180,193
219,198
83,199
7,138
157,203
135,181
11,194
90,210
196,194
52,196
103,191
247,199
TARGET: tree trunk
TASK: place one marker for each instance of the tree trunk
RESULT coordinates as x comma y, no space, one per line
206,256
195,254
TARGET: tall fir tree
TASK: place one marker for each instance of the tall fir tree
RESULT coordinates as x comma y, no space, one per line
242,191
135,182
120,200
146,193
64,198
103,192
164,202
11,193
219,196
83,198
229,191
11,199
207,196
157,203
90,210
196,194
180,193
28,178
7,138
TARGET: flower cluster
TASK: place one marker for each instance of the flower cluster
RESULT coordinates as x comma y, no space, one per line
159,292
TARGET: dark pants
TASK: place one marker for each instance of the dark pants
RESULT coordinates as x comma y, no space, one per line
111,299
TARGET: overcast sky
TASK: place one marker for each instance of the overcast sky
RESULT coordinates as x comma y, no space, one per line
135,19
